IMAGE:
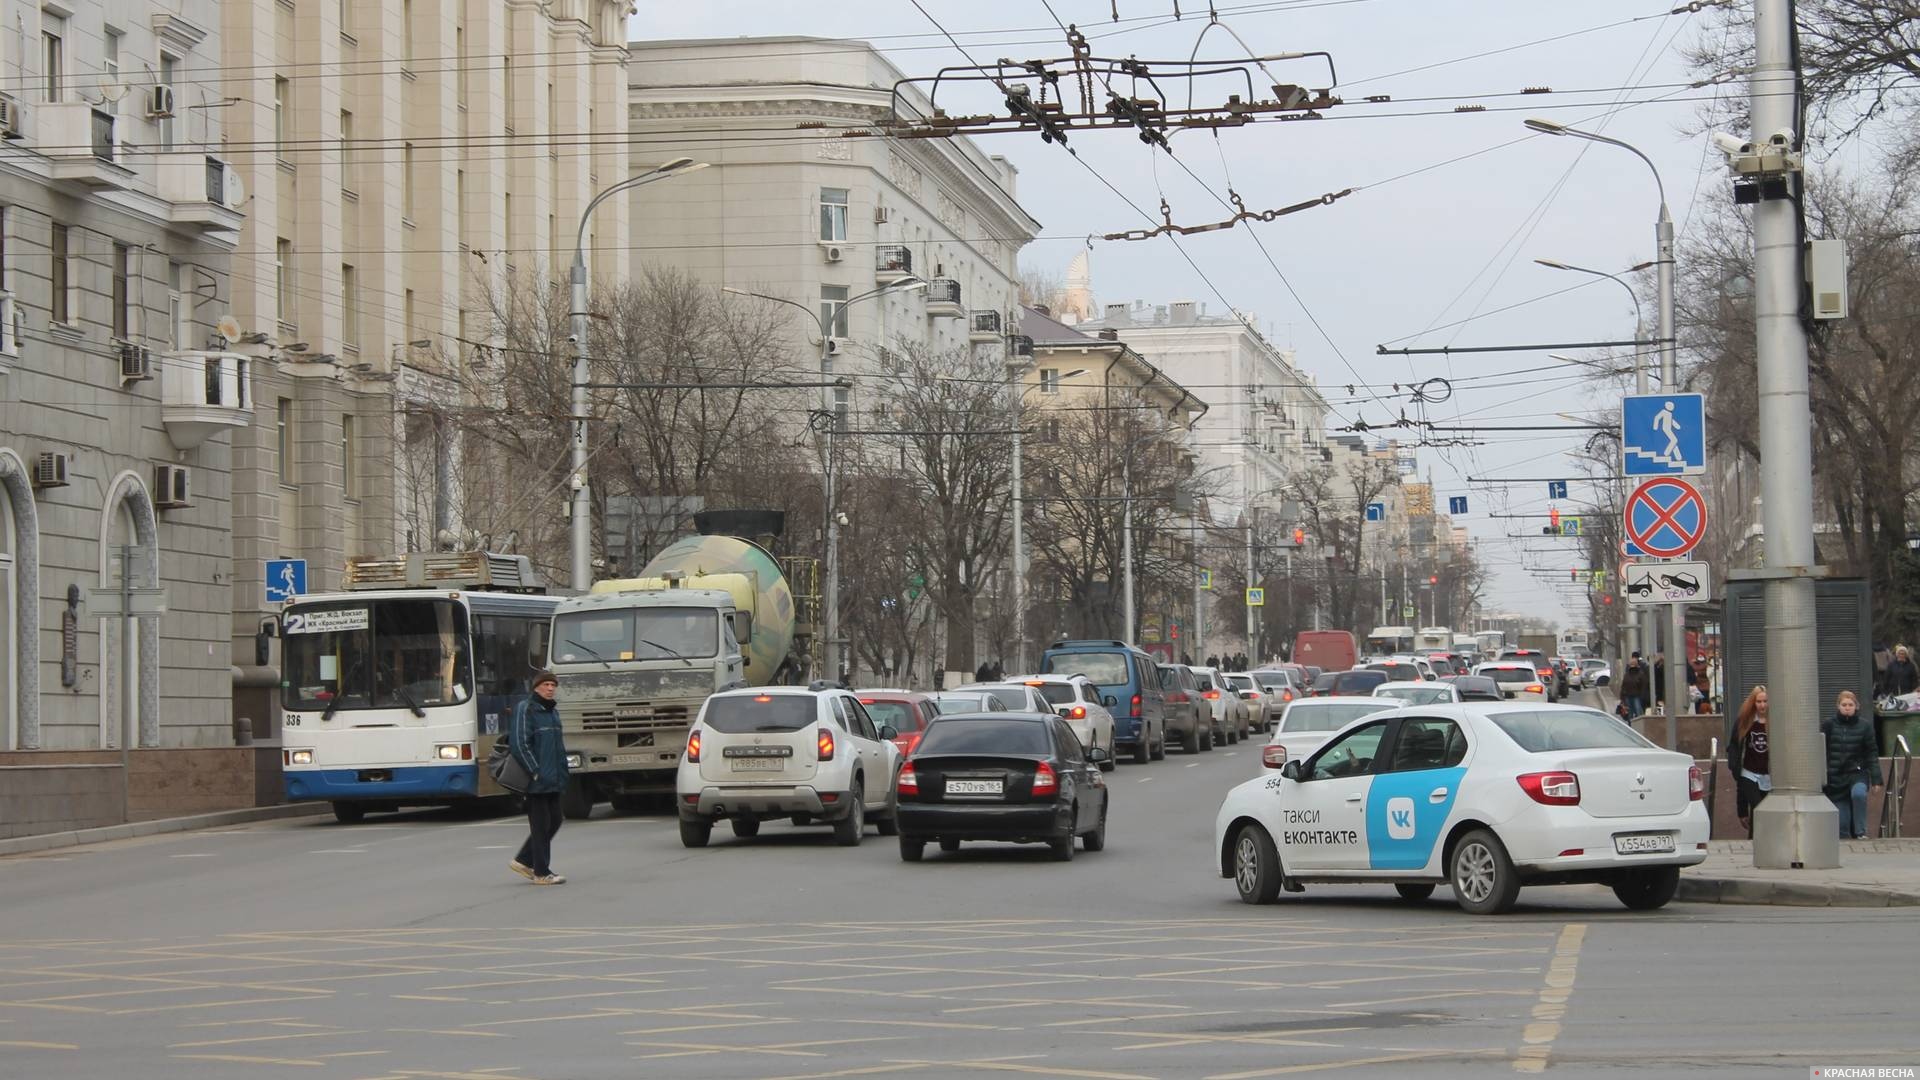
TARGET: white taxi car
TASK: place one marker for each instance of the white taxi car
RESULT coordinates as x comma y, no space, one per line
1484,797
807,754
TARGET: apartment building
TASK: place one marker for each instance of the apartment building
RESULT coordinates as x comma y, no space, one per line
816,218
120,402
406,164
1268,417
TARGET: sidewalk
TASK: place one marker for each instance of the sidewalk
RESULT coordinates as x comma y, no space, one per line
1872,873
21,845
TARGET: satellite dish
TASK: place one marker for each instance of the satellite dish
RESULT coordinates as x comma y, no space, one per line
229,328
113,91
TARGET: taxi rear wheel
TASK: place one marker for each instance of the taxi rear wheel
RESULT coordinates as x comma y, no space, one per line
1256,866
1484,880
1647,888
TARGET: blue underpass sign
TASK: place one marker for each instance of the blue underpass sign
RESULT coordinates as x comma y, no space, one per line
1457,504
1663,435
286,579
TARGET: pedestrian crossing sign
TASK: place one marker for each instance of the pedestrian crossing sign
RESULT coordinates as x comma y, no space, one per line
1256,597
1206,579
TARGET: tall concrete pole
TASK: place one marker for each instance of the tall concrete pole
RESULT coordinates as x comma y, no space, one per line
1126,545
581,538
830,654
1197,636
1253,648
1795,826
1678,694
1019,659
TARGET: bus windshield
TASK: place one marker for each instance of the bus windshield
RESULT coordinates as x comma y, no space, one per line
613,635
403,653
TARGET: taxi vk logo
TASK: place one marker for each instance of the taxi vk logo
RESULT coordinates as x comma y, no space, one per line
1400,818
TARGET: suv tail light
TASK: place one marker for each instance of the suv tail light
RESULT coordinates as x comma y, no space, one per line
1044,782
909,783
1135,705
1210,695
825,744
1696,784
693,748
1551,788
1178,697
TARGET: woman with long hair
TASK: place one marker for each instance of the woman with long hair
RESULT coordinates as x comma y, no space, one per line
1748,758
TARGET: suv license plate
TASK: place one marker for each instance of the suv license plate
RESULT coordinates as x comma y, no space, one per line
974,787
766,764
1643,844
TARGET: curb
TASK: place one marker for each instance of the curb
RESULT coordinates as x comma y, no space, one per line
22,845
1708,890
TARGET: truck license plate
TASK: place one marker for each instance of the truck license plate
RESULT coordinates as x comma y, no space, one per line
1643,844
630,759
748,764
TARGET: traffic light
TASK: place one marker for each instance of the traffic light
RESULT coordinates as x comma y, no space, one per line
1607,599
1299,538
1434,580
1573,574
1553,518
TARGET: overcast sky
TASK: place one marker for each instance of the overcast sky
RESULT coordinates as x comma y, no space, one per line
1400,259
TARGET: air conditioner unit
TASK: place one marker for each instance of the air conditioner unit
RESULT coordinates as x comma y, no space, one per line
10,125
159,102
882,215
833,252
136,362
170,487
51,470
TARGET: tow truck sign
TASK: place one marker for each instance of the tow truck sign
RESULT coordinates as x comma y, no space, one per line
1653,583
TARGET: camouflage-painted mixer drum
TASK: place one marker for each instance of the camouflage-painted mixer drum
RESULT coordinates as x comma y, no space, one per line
773,608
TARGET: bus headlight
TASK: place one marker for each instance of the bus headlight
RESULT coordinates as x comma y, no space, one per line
299,757
447,751
574,761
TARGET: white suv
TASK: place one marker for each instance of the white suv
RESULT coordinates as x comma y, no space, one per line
805,754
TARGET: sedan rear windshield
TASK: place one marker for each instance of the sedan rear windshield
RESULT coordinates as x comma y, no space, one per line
1242,682
1400,672
1359,682
744,714
1104,668
1572,729
1415,695
1056,693
1513,675
1330,716
962,736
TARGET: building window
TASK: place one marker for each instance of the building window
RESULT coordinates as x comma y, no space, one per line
349,467
1049,380
283,280
348,181
280,89
833,214
285,417
62,276
346,17
507,228
179,328
506,109
122,297
406,32
111,62
167,66
407,315
349,307
460,60
833,309
55,52
460,206
406,182
842,405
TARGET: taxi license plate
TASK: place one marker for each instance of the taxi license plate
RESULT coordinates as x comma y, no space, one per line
764,764
974,787
1643,844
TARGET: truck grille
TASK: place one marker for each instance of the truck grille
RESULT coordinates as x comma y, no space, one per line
629,719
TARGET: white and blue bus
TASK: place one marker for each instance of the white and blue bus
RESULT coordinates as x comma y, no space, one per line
392,693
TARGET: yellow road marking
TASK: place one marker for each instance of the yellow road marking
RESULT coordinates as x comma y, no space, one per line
1037,1070
443,1031
243,1059
1351,1063
870,1070
1538,1036
37,1045
428,997
1166,1040
260,1038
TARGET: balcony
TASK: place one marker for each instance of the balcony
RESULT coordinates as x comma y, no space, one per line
204,192
984,328
82,145
943,298
203,394
893,263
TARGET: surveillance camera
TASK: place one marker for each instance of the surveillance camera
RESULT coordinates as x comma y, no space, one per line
579,481
1729,145
840,519
573,339
1780,139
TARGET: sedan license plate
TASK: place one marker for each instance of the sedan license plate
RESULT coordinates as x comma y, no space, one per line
761,764
1643,844
974,787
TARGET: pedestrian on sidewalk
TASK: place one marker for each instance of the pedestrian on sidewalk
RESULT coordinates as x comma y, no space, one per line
534,740
1703,684
1853,764
1748,758
1902,676
1633,688
1659,694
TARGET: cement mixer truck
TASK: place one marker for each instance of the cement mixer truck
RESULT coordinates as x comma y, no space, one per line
637,657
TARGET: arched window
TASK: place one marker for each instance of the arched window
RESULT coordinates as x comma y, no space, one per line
19,606
127,525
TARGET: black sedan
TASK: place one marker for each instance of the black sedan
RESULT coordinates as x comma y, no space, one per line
1013,777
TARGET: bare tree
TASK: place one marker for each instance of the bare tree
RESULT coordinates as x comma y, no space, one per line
1860,58
1333,503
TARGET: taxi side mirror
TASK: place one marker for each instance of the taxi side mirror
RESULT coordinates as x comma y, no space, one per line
1291,770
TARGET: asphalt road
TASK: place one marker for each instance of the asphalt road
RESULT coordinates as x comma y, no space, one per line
405,948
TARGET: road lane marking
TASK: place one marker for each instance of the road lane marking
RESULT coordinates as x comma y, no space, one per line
194,855
1193,764
1538,1036
243,1059
1037,1070
1146,780
260,1038
38,1045
869,1070
1351,1063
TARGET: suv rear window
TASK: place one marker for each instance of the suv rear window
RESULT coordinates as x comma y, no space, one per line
900,715
963,736
1104,668
746,713
1057,693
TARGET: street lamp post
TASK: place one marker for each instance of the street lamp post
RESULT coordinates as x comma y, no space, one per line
1663,280
582,523
830,655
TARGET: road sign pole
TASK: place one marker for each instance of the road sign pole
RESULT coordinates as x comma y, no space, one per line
1795,826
